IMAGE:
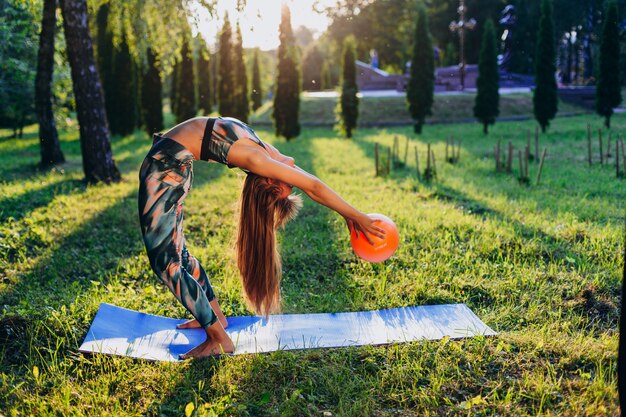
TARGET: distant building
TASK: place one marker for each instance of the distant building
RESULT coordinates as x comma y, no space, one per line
371,78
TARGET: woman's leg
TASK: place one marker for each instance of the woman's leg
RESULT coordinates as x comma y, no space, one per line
193,266
163,187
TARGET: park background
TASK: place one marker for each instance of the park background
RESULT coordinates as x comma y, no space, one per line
538,258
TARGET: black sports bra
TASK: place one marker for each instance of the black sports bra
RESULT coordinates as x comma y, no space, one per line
219,135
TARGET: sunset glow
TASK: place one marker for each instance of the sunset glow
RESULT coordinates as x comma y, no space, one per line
260,19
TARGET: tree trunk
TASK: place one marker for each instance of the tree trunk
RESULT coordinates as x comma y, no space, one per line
48,137
98,163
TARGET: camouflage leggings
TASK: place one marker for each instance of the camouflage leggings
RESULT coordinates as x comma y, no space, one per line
164,181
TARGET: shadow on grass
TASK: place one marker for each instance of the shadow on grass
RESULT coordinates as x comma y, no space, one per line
19,206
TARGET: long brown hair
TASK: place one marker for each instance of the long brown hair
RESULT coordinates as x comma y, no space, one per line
258,259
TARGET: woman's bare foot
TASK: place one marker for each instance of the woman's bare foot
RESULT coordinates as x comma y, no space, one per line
193,323
217,343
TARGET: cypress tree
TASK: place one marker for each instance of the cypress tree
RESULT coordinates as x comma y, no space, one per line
226,82
204,78
124,107
326,83
257,93
151,90
608,89
486,107
348,107
421,86
242,106
545,99
287,97
185,93
312,69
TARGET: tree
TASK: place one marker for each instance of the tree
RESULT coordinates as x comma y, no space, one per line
98,163
204,78
608,89
18,61
257,92
545,99
174,86
242,106
151,100
486,107
123,110
421,86
348,107
105,48
48,136
226,82
325,75
185,92
287,96
312,69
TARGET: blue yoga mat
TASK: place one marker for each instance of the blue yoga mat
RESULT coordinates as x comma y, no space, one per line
119,331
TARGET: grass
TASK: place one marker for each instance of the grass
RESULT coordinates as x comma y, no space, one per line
540,264
377,111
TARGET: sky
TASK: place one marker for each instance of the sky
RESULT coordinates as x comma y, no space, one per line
260,19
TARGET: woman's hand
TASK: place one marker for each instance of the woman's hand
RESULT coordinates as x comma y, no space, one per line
366,225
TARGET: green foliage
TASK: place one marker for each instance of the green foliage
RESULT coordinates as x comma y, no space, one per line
312,68
347,111
257,91
186,90
18,64
545,97
420,91
287,94
151,99
608,86
241,99
226,70
486,107
205,80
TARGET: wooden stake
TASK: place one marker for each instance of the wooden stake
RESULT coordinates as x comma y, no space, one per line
498,168
608,148
376,151
543,156
617,158
458,152
589,142
406,151
536,143
434,165
509,159
447,144
521,165
427,173
600,140
526,152
528,142
623,155
417,165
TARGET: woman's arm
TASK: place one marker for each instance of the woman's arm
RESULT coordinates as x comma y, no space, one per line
260,163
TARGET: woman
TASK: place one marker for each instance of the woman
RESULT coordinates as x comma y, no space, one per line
266,203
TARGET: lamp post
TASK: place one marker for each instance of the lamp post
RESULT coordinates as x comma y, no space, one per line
461,26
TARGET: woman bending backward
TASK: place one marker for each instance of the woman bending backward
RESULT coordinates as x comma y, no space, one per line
165,179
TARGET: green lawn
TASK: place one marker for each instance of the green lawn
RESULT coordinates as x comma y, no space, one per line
374,111
540,264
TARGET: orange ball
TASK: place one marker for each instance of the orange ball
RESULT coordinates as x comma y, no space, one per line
382,249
